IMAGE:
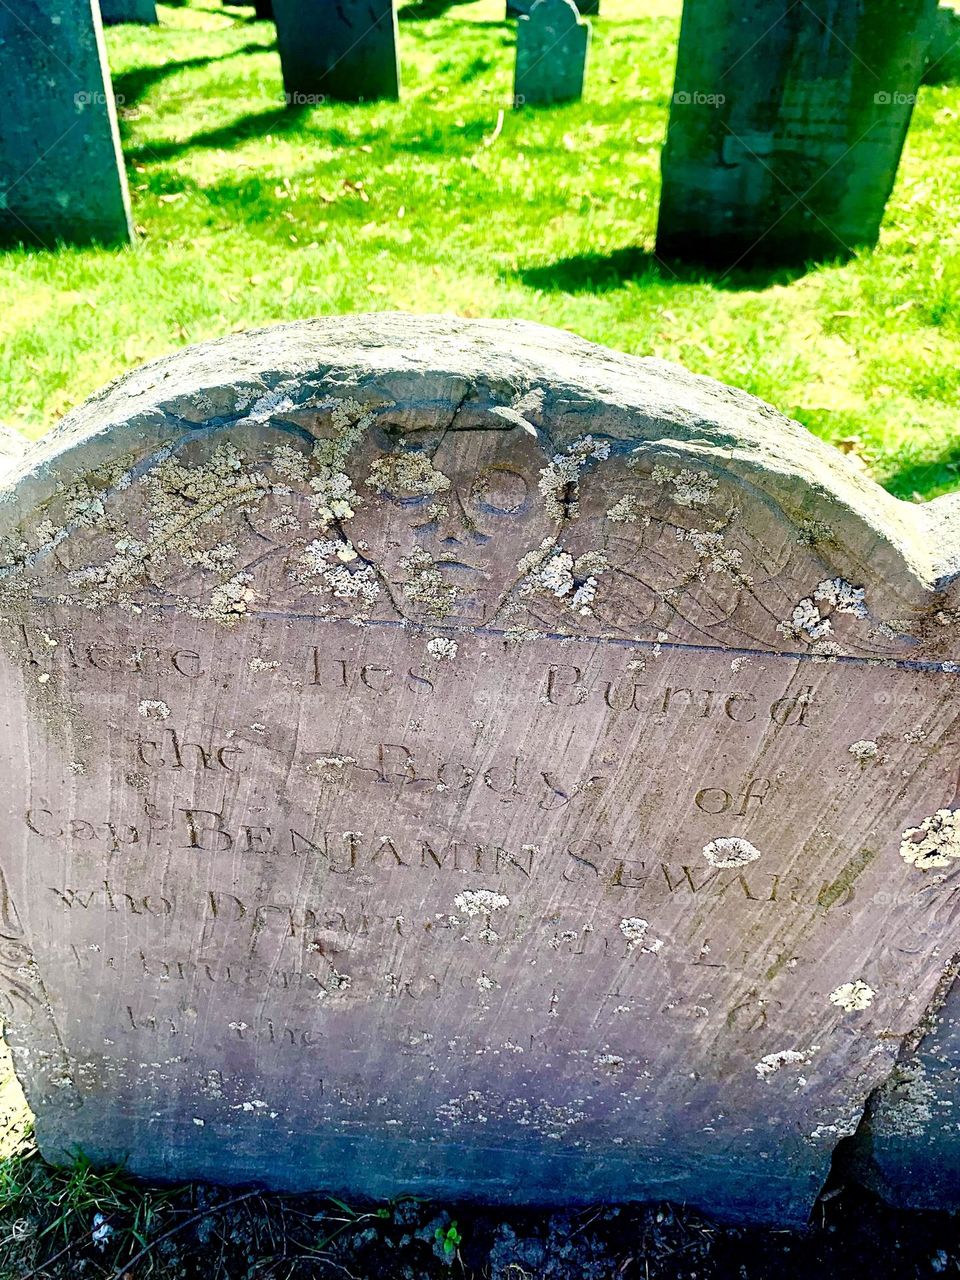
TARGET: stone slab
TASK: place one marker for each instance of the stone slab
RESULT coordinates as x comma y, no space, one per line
448,757
786,126
552,42
943,55
62,172
340,49
140,11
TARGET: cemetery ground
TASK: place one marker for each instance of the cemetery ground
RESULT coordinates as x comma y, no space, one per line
251,212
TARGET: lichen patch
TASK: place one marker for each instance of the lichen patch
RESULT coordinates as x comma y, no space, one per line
154,709
690,488
771,1063
442,648
730,851
425,584
842,596
559,481
808,621
549,570
805,622
852,996
637,934
713,553
935,843
480,902
332,566
406,475
627,511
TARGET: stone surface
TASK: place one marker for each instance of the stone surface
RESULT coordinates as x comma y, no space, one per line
786,126
142,11
552,45
340,49
449,757
943,55
61,173
908,1147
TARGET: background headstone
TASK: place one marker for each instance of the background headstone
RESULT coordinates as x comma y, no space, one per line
61,172
943,56
786,126
142,11
451,758
340,49
552,43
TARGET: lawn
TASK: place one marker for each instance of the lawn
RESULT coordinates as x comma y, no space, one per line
250,213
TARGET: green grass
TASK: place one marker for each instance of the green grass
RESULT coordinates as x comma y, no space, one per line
250,213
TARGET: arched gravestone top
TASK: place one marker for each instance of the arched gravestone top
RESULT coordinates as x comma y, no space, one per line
552,42
450,757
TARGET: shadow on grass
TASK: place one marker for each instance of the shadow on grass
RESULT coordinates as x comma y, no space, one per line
602,273
424,10
278,121
921,477
262,10
283,120
132,85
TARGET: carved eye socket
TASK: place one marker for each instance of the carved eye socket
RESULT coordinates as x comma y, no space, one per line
500,490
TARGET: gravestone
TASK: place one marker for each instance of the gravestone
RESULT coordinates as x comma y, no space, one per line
943,55
786,126
340,49
61,173
552,45
142,11
448,757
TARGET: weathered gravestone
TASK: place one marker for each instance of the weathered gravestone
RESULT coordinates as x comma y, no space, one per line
341,49
786,127
551,54
143,11
943,53
450,757
61,173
